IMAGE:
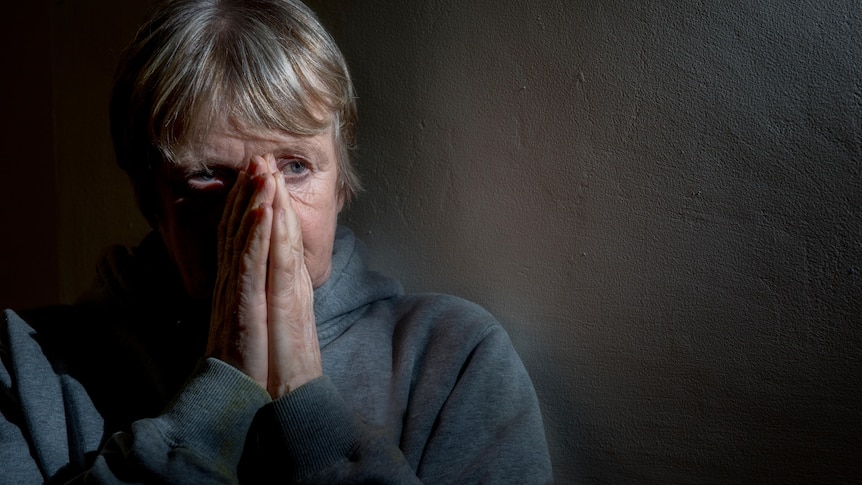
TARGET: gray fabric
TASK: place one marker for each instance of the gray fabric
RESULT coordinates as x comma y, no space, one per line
416,388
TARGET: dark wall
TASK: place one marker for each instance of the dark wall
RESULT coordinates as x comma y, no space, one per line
662,202
28,192
63,199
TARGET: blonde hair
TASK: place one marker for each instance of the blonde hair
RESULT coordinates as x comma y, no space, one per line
267,64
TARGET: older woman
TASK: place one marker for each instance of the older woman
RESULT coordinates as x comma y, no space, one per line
244,339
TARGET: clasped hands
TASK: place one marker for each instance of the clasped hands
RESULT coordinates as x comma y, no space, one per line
262,319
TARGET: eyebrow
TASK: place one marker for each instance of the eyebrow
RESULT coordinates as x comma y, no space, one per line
316,153
192,162
307,145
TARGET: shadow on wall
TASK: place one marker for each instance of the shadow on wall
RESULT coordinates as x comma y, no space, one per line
659,201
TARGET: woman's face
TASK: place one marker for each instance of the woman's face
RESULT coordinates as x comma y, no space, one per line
192,194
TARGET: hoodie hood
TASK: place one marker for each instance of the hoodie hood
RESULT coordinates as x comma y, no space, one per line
351,287
145,277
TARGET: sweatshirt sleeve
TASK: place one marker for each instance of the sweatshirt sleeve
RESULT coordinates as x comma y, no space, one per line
311,436
489,427
198,439
51,432
472,417
15,457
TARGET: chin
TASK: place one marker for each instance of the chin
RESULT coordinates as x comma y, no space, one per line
318,281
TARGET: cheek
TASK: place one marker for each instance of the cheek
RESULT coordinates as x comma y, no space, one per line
190,231
318,234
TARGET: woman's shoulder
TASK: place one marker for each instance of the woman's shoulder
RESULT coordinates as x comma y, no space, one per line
445,308
437,319
51,323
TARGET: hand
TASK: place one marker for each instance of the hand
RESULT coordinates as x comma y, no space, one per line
238,328
294,353
263,308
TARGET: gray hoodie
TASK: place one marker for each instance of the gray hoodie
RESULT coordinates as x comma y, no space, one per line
115,390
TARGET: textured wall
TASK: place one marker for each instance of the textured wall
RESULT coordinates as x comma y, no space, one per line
661,201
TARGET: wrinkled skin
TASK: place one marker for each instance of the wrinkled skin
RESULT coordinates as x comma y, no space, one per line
253,229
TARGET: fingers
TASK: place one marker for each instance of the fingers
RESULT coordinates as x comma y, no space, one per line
293,348
238,328
239,199
252,260
246,335
243,242
263,309
226,224
287,232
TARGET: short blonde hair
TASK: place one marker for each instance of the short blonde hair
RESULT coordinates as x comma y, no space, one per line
268,64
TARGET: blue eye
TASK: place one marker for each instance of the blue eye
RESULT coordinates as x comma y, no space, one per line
294,168
205,176
206,180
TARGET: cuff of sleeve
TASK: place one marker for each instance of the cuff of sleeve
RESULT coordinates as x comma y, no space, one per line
213,411
316,426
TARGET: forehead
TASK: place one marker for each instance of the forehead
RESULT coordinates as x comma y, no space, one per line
231,143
